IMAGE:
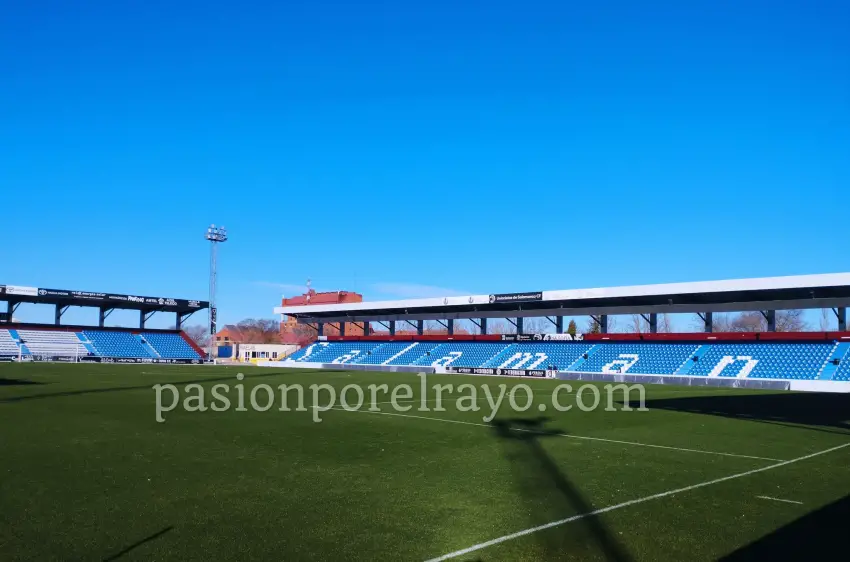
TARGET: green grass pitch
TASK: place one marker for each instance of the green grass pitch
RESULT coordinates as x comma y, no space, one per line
86,473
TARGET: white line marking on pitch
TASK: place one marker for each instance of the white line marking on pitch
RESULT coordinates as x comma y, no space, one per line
518,534
416,400
779,500
582,437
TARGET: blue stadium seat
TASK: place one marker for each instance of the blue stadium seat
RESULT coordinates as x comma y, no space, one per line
117,344
384,352
539,355
170,345
638,358
843,372
410,356
8,344
461,354
334,352
715,359
802,361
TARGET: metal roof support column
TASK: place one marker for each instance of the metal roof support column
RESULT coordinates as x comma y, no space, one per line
841,314
770,316
145,317
104,313
60,310
451,326
707,320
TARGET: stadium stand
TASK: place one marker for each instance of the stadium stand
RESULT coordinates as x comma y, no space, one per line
539,356
95,343
461,354
382,354
764,360
413,352
169,345
638,358
53,343
336,352
8,344
759,360
117,344
843,371
786,360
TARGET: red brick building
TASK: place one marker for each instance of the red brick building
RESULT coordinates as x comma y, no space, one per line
292,332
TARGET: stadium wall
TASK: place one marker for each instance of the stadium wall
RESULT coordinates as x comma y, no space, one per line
674,380
348,367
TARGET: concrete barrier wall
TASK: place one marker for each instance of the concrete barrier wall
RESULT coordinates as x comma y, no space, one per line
346,367
677,380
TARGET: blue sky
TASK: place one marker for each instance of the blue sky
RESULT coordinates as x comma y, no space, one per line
419,148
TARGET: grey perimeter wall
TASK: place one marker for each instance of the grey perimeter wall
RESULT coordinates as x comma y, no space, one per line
675,380
679,380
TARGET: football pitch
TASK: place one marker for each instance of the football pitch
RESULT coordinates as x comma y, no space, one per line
89,474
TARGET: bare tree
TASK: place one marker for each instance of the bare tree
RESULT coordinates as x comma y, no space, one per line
824,319
199,334
754,321
790,321
721,323
433,327
305,333
594,327
499,327
751,321
638,324
261,330
535,325
665,324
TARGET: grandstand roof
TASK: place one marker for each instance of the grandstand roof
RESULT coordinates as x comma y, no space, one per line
768,293
68,297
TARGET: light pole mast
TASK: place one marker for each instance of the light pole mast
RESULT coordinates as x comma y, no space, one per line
215,235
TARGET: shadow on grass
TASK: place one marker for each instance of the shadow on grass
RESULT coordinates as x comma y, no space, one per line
45,395
137,544
17,382
824,410
542,482
816,536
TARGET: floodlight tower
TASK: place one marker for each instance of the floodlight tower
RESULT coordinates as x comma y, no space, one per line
215,235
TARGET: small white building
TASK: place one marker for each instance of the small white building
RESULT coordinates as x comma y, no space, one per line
251,352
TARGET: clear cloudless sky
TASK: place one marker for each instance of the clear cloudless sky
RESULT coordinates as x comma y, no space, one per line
417,148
